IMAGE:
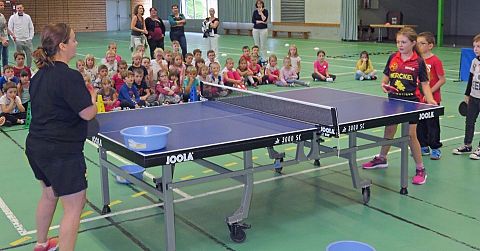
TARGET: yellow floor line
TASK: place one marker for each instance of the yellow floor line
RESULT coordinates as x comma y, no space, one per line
207,171
115,202
187,177
291,148
20,241
254,157
377,130
138,194
451,116
327,140
230,164
86,213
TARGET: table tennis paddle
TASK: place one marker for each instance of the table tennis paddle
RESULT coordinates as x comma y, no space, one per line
93,128
462,108
390,88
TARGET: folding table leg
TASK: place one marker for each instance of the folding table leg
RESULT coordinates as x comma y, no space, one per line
234,222
104,181
169,215
404,159
357,181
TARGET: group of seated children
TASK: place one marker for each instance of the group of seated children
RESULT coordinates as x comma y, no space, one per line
14,91
169,78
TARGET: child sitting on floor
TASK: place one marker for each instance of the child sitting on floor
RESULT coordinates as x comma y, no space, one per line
288,75
168,92
11,105
364,68
320,69
231,76
109,95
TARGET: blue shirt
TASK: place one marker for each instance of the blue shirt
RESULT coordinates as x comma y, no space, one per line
3,80
193,89
129,95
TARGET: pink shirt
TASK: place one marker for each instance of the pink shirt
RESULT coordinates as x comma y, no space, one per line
288,74
321,68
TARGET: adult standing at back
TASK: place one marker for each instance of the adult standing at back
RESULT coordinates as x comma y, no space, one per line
4,32
138,28
156,32
177,32
210,31
260,31
61,105
21,25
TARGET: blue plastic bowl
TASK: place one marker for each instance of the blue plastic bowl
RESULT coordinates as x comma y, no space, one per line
134,170
146,138
349,246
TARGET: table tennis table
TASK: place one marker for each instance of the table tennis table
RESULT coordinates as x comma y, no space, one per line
217,127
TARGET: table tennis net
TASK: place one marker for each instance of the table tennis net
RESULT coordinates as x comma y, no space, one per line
294,109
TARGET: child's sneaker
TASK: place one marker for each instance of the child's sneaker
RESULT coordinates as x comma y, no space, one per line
462,150
436,154
2,120
420,177
376,162
475,155
361,78
51,245
425,150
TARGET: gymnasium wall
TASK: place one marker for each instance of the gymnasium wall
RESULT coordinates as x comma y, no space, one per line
422,13
81,15
322,18
459,15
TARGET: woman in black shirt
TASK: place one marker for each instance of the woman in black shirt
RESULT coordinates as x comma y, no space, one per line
156,31
260,31
61,105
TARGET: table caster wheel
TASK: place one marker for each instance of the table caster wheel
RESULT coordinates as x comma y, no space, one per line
403,191
106,209
366,195
316,162
237,233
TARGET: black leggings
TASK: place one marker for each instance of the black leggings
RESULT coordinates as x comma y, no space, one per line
317,77
154,44
14,117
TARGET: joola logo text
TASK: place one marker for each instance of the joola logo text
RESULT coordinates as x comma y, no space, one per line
172,159
426,115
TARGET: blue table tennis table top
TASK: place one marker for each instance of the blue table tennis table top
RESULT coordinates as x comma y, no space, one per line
210,124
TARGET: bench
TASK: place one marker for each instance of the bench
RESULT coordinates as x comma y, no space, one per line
289,31
238,27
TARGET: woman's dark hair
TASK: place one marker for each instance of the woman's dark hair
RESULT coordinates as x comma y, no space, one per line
52,36
135,9
259,1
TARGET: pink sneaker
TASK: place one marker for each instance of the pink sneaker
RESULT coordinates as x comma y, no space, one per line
376,162
51,245
420,177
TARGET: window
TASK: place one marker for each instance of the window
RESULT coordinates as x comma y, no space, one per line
198,9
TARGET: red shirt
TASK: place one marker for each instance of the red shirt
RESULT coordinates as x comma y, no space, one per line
17,71
435,69
322,68
404,75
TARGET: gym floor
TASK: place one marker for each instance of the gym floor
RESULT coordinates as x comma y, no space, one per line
305,208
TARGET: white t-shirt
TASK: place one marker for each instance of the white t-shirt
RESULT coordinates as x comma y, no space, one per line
475,70
295,61
6,101
156,67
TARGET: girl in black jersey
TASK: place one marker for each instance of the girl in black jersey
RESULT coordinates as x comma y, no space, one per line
403,71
